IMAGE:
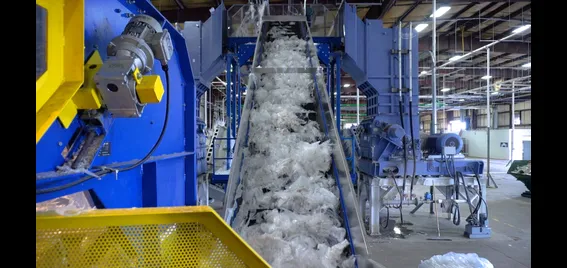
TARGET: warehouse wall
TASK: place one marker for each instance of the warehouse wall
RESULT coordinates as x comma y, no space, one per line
500,143
522,109
443,119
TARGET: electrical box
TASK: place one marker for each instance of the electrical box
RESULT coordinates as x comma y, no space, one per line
449,150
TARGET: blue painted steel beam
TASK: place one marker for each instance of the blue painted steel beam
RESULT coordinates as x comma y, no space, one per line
338,87
228,101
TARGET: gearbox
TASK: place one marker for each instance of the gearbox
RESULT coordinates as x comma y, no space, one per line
122,81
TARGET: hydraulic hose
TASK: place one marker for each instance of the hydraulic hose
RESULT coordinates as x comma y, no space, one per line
403,145
412,145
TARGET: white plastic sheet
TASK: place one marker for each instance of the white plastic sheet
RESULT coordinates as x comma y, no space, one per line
456,260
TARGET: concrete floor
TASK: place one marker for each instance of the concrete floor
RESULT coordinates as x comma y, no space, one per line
510,219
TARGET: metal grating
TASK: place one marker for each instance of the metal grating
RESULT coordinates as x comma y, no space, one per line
165,245
142,237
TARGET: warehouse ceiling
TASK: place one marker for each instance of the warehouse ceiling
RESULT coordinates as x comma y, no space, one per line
466,26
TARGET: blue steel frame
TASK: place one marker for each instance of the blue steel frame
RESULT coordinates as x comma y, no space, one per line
169,177
364,57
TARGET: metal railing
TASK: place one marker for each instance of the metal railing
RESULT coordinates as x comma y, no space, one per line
228,158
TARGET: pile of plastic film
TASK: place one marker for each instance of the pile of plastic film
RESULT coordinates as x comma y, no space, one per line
290,203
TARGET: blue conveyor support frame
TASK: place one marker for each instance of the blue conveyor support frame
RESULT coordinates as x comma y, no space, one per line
169,177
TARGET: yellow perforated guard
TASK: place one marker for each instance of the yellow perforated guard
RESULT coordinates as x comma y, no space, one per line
148,237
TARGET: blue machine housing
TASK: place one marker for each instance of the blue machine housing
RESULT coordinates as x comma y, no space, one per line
371,58
169,177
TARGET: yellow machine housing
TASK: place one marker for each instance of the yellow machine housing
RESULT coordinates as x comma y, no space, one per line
62,76
88,97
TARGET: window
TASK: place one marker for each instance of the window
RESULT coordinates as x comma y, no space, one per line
517,118
456,126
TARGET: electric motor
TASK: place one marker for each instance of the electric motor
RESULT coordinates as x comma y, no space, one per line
121,81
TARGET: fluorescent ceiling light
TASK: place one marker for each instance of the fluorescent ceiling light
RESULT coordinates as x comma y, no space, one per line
420,27
346,85
486,77
445,89
454,58
523,28
423,72
461,99
440,11
527,65
495,93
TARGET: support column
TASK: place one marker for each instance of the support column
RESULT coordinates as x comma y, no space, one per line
228,106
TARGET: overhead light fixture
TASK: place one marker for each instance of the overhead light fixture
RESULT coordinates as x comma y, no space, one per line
521,29
494,93
527,65
440,11
486,77
445,89
454,58
461,99
423,72
346,85
420,27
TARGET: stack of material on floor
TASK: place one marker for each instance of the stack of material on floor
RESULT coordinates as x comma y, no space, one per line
456,260
526,169
522,170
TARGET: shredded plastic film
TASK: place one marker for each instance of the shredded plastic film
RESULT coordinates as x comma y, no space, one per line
289,200
456,260
526,169
69,205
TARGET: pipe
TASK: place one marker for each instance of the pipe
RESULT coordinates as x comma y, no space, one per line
357,106
478,49
488,116
433,127
444,111
503,82
410,51
513,116
228,109
206,104
401,109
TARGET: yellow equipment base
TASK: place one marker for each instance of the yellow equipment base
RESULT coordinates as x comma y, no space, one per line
142,237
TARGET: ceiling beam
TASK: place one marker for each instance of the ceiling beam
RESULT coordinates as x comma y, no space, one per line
490,14
482,10
514,14
180,4
408,11
492,59
456,15
448,42
378,12
509,32
512,60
